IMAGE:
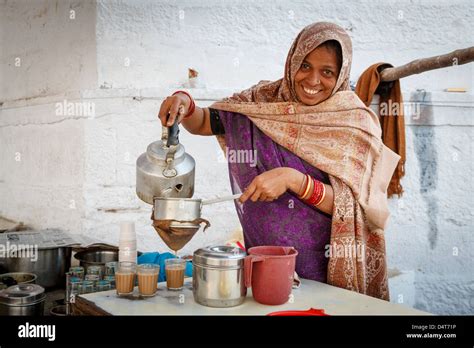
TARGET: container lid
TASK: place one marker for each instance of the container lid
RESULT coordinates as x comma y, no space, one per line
221,256
22,295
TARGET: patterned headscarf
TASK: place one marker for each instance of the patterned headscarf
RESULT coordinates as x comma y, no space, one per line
307,40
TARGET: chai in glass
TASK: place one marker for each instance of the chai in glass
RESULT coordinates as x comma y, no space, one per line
125,278
147,278
175,273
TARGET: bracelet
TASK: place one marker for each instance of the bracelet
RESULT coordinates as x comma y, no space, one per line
311,188
322,196
308,185
317,192
303,184
192,107
314,192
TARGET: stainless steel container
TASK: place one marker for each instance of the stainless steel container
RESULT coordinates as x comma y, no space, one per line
22,299
50,266
218,276
184,209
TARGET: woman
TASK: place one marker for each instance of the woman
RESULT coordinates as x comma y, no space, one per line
320,180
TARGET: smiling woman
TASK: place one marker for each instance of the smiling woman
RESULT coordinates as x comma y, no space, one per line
317,76
321,172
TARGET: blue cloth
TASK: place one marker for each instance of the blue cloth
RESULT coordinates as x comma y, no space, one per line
159,259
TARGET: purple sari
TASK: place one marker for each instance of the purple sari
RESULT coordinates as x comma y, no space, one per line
287,221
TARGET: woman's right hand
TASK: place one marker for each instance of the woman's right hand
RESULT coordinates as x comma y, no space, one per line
176,106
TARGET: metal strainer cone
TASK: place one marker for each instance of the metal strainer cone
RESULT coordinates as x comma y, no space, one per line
174,236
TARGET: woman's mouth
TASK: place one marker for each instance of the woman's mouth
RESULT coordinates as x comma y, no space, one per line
311,92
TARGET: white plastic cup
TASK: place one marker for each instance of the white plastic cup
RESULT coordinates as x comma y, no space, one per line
127,242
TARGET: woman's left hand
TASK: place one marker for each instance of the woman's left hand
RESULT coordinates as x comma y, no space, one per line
270,185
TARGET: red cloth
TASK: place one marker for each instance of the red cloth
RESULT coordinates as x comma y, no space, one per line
391,118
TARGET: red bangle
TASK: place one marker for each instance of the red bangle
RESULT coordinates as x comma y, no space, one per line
317,192
192,107
322,196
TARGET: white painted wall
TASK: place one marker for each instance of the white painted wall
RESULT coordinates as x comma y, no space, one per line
48,47
77,172
234,44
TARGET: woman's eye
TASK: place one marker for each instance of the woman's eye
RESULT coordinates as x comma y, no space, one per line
305,66
328,72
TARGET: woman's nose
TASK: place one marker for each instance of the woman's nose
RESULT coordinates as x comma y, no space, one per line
313,79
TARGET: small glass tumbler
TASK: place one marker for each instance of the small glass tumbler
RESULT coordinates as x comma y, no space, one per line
72,288
125,278
103,285
77,272
94,271
86,287
110,268
175,273
147,278
111,279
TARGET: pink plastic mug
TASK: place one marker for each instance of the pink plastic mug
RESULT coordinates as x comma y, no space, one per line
269,270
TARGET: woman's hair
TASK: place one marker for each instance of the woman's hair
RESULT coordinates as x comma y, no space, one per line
334,46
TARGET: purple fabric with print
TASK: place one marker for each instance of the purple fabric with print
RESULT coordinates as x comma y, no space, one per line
287,221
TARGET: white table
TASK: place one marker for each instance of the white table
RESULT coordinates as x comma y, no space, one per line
311,294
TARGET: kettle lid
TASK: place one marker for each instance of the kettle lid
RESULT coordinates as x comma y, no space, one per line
158,150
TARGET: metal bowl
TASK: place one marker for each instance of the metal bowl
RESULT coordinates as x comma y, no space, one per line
97,257
58,311
19,277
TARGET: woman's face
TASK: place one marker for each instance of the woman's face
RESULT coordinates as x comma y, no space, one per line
317,76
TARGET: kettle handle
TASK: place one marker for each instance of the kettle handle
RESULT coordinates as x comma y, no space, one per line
173,133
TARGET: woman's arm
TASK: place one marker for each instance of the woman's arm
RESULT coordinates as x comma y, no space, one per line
177,106
296,180
271,184
199,122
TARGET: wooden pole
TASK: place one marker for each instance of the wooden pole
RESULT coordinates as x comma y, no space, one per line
458,57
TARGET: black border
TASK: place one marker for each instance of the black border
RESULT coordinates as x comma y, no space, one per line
216,330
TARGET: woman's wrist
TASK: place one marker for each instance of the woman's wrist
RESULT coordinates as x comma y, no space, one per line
308,189
295,180
187,101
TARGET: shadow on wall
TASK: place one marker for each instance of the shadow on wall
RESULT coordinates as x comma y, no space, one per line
427,156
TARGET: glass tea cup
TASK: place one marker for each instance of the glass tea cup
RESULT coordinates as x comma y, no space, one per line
147,274
94,272
111,279
110,268
77,271
125,278
86,287
174,269
103,285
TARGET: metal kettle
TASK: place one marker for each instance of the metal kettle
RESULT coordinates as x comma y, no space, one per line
165,169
